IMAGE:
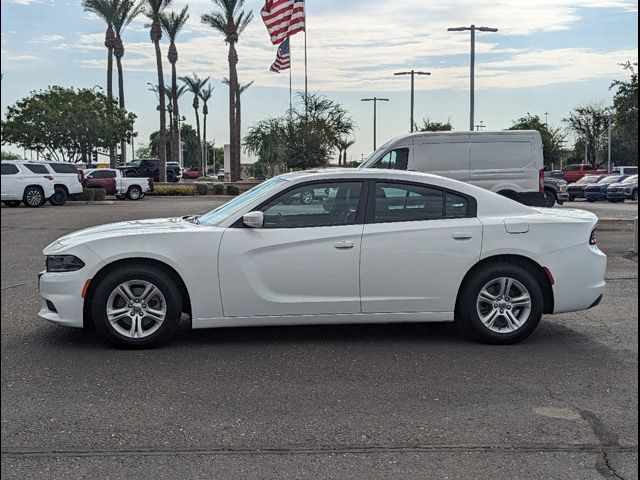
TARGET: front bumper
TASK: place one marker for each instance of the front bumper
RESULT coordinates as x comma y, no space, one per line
563,196
595,195
576,192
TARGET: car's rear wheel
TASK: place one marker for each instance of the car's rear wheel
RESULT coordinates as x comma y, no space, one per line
12,203
502,303
59,197
33,197
134,192
137,306
550,198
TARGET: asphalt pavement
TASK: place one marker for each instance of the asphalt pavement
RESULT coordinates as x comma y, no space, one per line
345,402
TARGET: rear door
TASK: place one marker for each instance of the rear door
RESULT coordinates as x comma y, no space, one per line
417,245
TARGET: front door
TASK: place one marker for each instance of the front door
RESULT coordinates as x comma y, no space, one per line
417,246
305,259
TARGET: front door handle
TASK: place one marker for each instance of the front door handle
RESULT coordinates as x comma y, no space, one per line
344,245
462,236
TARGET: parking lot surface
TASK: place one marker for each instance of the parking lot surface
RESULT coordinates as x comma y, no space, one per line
344,402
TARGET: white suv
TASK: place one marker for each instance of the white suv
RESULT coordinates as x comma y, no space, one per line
22,184
67,180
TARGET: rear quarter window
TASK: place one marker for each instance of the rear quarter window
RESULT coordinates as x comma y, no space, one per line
9,169
36,168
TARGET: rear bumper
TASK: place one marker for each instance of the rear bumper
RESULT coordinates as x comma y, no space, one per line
579,277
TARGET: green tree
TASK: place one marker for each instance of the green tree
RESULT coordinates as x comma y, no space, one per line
126,11
230,20
625,118
190,139
343,145
205,95
6,155
153,10
65,124
430,126
590,124
300,139
172,23
552,138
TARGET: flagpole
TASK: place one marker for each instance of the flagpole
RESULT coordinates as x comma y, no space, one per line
306,85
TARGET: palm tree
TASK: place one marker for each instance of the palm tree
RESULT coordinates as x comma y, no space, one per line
154,9
205,94
107,11
343,145
172,23
127,11
230,20
195,85
241,89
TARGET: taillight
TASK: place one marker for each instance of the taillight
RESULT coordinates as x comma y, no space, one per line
541,180
48,177
593,240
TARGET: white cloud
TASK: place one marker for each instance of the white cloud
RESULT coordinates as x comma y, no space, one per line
47,38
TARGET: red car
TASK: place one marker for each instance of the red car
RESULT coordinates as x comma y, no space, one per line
573,173
192,173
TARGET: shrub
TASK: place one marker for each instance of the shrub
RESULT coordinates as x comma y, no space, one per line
218,188
174,191
201,188
204,179
100,194
233,190
88,194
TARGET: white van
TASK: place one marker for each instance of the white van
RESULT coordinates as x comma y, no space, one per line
509,162
627,170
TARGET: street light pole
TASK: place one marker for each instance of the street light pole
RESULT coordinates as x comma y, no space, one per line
375,101
413,73
472,29
609,144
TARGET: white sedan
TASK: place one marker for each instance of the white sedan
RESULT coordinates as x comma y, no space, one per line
377,247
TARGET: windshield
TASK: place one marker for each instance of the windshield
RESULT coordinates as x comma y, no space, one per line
134,163
222,213
632,179
379,150
608,180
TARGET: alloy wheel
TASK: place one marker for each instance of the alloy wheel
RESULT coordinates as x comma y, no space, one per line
33,197
504,305
136,309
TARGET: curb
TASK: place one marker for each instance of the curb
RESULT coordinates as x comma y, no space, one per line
615,224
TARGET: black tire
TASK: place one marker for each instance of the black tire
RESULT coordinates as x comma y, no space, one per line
469,309
12,203
134,193
550,198
160,279
572,199
634,196
591,200
33,197
59,198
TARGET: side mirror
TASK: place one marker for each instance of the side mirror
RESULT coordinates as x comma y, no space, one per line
253,219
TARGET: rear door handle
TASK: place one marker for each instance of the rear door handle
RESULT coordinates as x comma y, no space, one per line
462,236
344,245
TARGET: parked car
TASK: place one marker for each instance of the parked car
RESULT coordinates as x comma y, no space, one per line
576,189
625,190
598,190
573,173
117,184
555,191
392,247
220,174
192,173
25,182
509,162
625,170
67,180
150,167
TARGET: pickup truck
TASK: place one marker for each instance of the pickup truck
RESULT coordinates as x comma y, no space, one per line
573,173
115,183
150,167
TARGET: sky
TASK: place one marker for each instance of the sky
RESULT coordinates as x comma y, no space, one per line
548,57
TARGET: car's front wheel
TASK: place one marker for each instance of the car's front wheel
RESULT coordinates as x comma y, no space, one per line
502,303
550,198
137,306
59,197
33,197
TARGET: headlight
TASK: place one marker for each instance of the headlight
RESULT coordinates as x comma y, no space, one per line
63,263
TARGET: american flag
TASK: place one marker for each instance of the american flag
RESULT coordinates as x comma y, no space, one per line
283,58
283,18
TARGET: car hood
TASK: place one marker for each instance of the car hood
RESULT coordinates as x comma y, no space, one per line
624,185
131,227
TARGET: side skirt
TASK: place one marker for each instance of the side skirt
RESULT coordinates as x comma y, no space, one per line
334,319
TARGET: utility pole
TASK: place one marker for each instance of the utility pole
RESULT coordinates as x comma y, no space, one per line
546,119
375,101
609,144
413,73
472,29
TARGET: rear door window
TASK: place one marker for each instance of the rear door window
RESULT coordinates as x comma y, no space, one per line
64,168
